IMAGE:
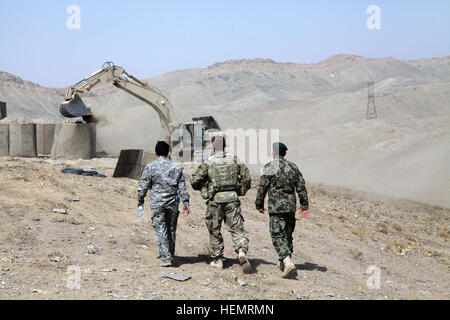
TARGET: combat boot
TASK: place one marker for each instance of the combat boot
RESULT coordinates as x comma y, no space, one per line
165,264
217,263
289,268
245,264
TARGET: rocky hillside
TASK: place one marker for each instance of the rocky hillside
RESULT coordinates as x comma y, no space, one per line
28,100
266,80
243,83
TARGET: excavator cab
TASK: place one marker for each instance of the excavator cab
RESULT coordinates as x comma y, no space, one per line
209,122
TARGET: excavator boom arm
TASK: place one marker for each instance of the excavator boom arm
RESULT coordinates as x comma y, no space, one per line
117,76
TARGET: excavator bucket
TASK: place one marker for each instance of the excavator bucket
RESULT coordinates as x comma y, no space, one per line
74,108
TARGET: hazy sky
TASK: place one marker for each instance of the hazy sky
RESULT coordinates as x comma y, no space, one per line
149,38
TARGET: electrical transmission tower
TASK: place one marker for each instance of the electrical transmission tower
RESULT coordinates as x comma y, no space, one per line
371,112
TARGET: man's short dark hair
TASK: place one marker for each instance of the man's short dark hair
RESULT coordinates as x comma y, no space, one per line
218,142
162,148
282,152
279,149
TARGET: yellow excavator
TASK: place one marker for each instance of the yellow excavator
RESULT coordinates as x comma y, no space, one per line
192,138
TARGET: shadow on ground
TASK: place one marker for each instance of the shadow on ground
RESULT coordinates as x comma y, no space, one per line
310,267
228,263
201,258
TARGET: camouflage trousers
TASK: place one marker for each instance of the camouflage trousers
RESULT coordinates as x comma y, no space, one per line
164,221
230,213
282,227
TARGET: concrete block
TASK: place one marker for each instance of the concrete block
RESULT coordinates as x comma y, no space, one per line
22,140
2,110
45,133
74,141
4,140
132,162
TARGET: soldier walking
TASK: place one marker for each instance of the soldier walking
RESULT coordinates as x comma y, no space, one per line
221,180
282,179
166,181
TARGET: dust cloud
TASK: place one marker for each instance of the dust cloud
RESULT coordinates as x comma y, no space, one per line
121,128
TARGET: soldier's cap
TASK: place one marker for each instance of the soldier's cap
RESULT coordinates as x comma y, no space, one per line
279,146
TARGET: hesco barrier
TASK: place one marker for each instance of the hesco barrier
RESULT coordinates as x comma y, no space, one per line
45,133
22,140
132,163
2,110
4,140
74,141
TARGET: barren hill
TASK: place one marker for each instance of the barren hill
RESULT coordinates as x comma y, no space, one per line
318,108
28,100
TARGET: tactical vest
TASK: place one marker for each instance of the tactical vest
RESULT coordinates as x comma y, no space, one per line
223,173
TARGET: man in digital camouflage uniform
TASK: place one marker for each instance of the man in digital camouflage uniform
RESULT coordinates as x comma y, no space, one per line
221,179
166,181
282,179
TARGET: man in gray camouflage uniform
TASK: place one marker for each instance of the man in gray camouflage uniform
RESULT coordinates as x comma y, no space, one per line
221,180
166,181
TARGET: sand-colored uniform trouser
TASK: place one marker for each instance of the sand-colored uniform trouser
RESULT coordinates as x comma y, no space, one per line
282,227
230,213
164,221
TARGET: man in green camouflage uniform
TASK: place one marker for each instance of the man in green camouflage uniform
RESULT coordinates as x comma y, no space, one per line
282,179
221,179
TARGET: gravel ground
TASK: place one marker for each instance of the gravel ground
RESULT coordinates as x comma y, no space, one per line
115,252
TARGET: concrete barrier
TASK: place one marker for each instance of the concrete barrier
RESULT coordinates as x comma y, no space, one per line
4,140
45,133
22,140
2,110
132,162
74,141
